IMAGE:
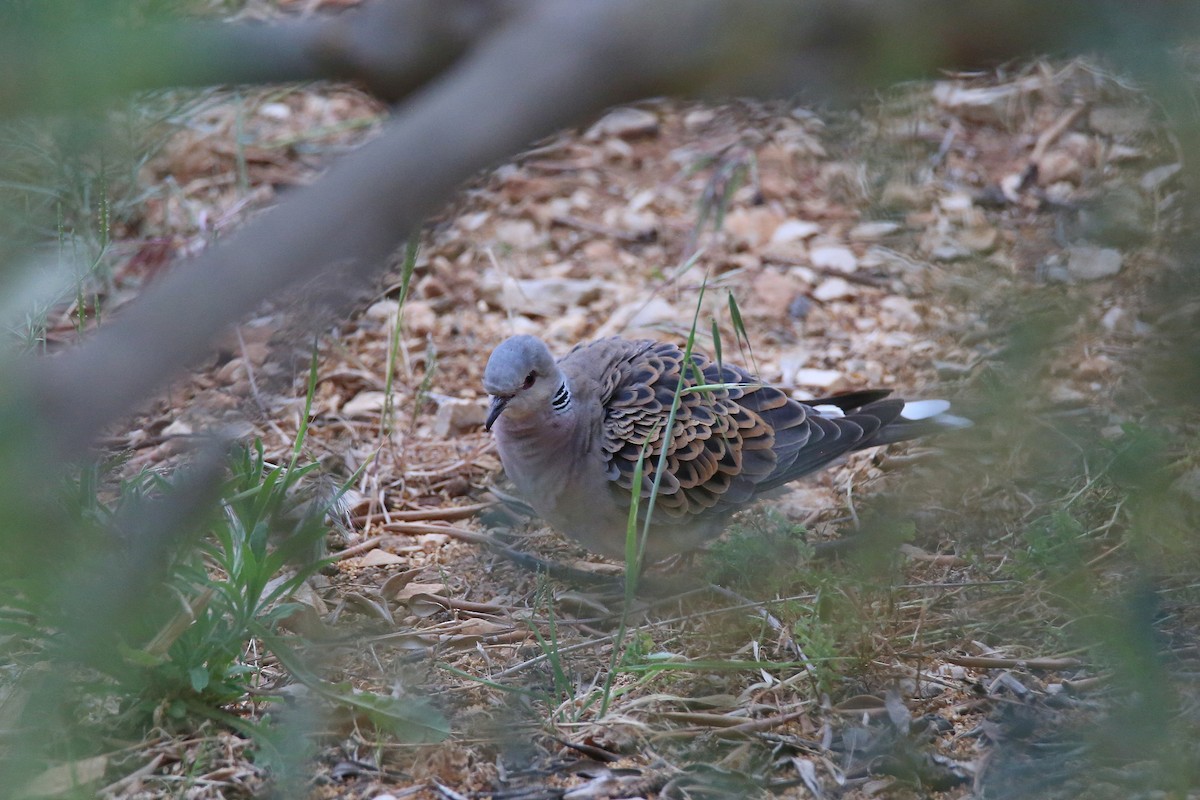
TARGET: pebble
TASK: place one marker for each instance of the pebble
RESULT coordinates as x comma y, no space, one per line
1058,166
456,416
1064,395
698,118
231,371
419,318
819,378
833,289
384,310
957,203
773,292
901,308
872,231
569,327
177,428
519,233
799,307
1113,318
380,558
790,362
752,226
794,230
1088,263
979,238
835,257
637,315
547,297
364,404
623,123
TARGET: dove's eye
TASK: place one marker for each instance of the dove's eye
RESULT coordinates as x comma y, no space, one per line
529,379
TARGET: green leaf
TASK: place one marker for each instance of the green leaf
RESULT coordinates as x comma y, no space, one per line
199,677
139,658
735,314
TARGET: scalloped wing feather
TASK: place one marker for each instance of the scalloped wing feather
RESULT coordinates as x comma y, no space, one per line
723,442
727,444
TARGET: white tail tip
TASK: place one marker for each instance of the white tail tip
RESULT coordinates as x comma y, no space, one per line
924,409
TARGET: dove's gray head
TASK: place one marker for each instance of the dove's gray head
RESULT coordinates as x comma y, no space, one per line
521,377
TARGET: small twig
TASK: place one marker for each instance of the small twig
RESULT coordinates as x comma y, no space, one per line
1084,684
462,605
757,725
1060,126
447,792
996,662
361,547
444,513
940,559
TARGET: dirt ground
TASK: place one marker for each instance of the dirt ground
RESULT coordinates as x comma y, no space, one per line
989,239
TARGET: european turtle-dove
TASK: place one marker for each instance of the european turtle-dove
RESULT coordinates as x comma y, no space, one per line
569,434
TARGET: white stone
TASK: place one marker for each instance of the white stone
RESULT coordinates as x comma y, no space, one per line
902,307
833,289
957,203
1088,263
637,315
456,416
794,230
835,257
519,233
698,118
380,558
790,362
819,378
549,296
276,111
363,404
872,231
418,318
625,123
178,428
753,226
385,310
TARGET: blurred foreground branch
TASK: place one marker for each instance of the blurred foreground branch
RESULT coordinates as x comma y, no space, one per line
390,48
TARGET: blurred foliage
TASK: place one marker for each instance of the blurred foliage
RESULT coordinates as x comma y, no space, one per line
191,620
132,604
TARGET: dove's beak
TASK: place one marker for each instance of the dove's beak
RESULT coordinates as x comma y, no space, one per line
494,411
